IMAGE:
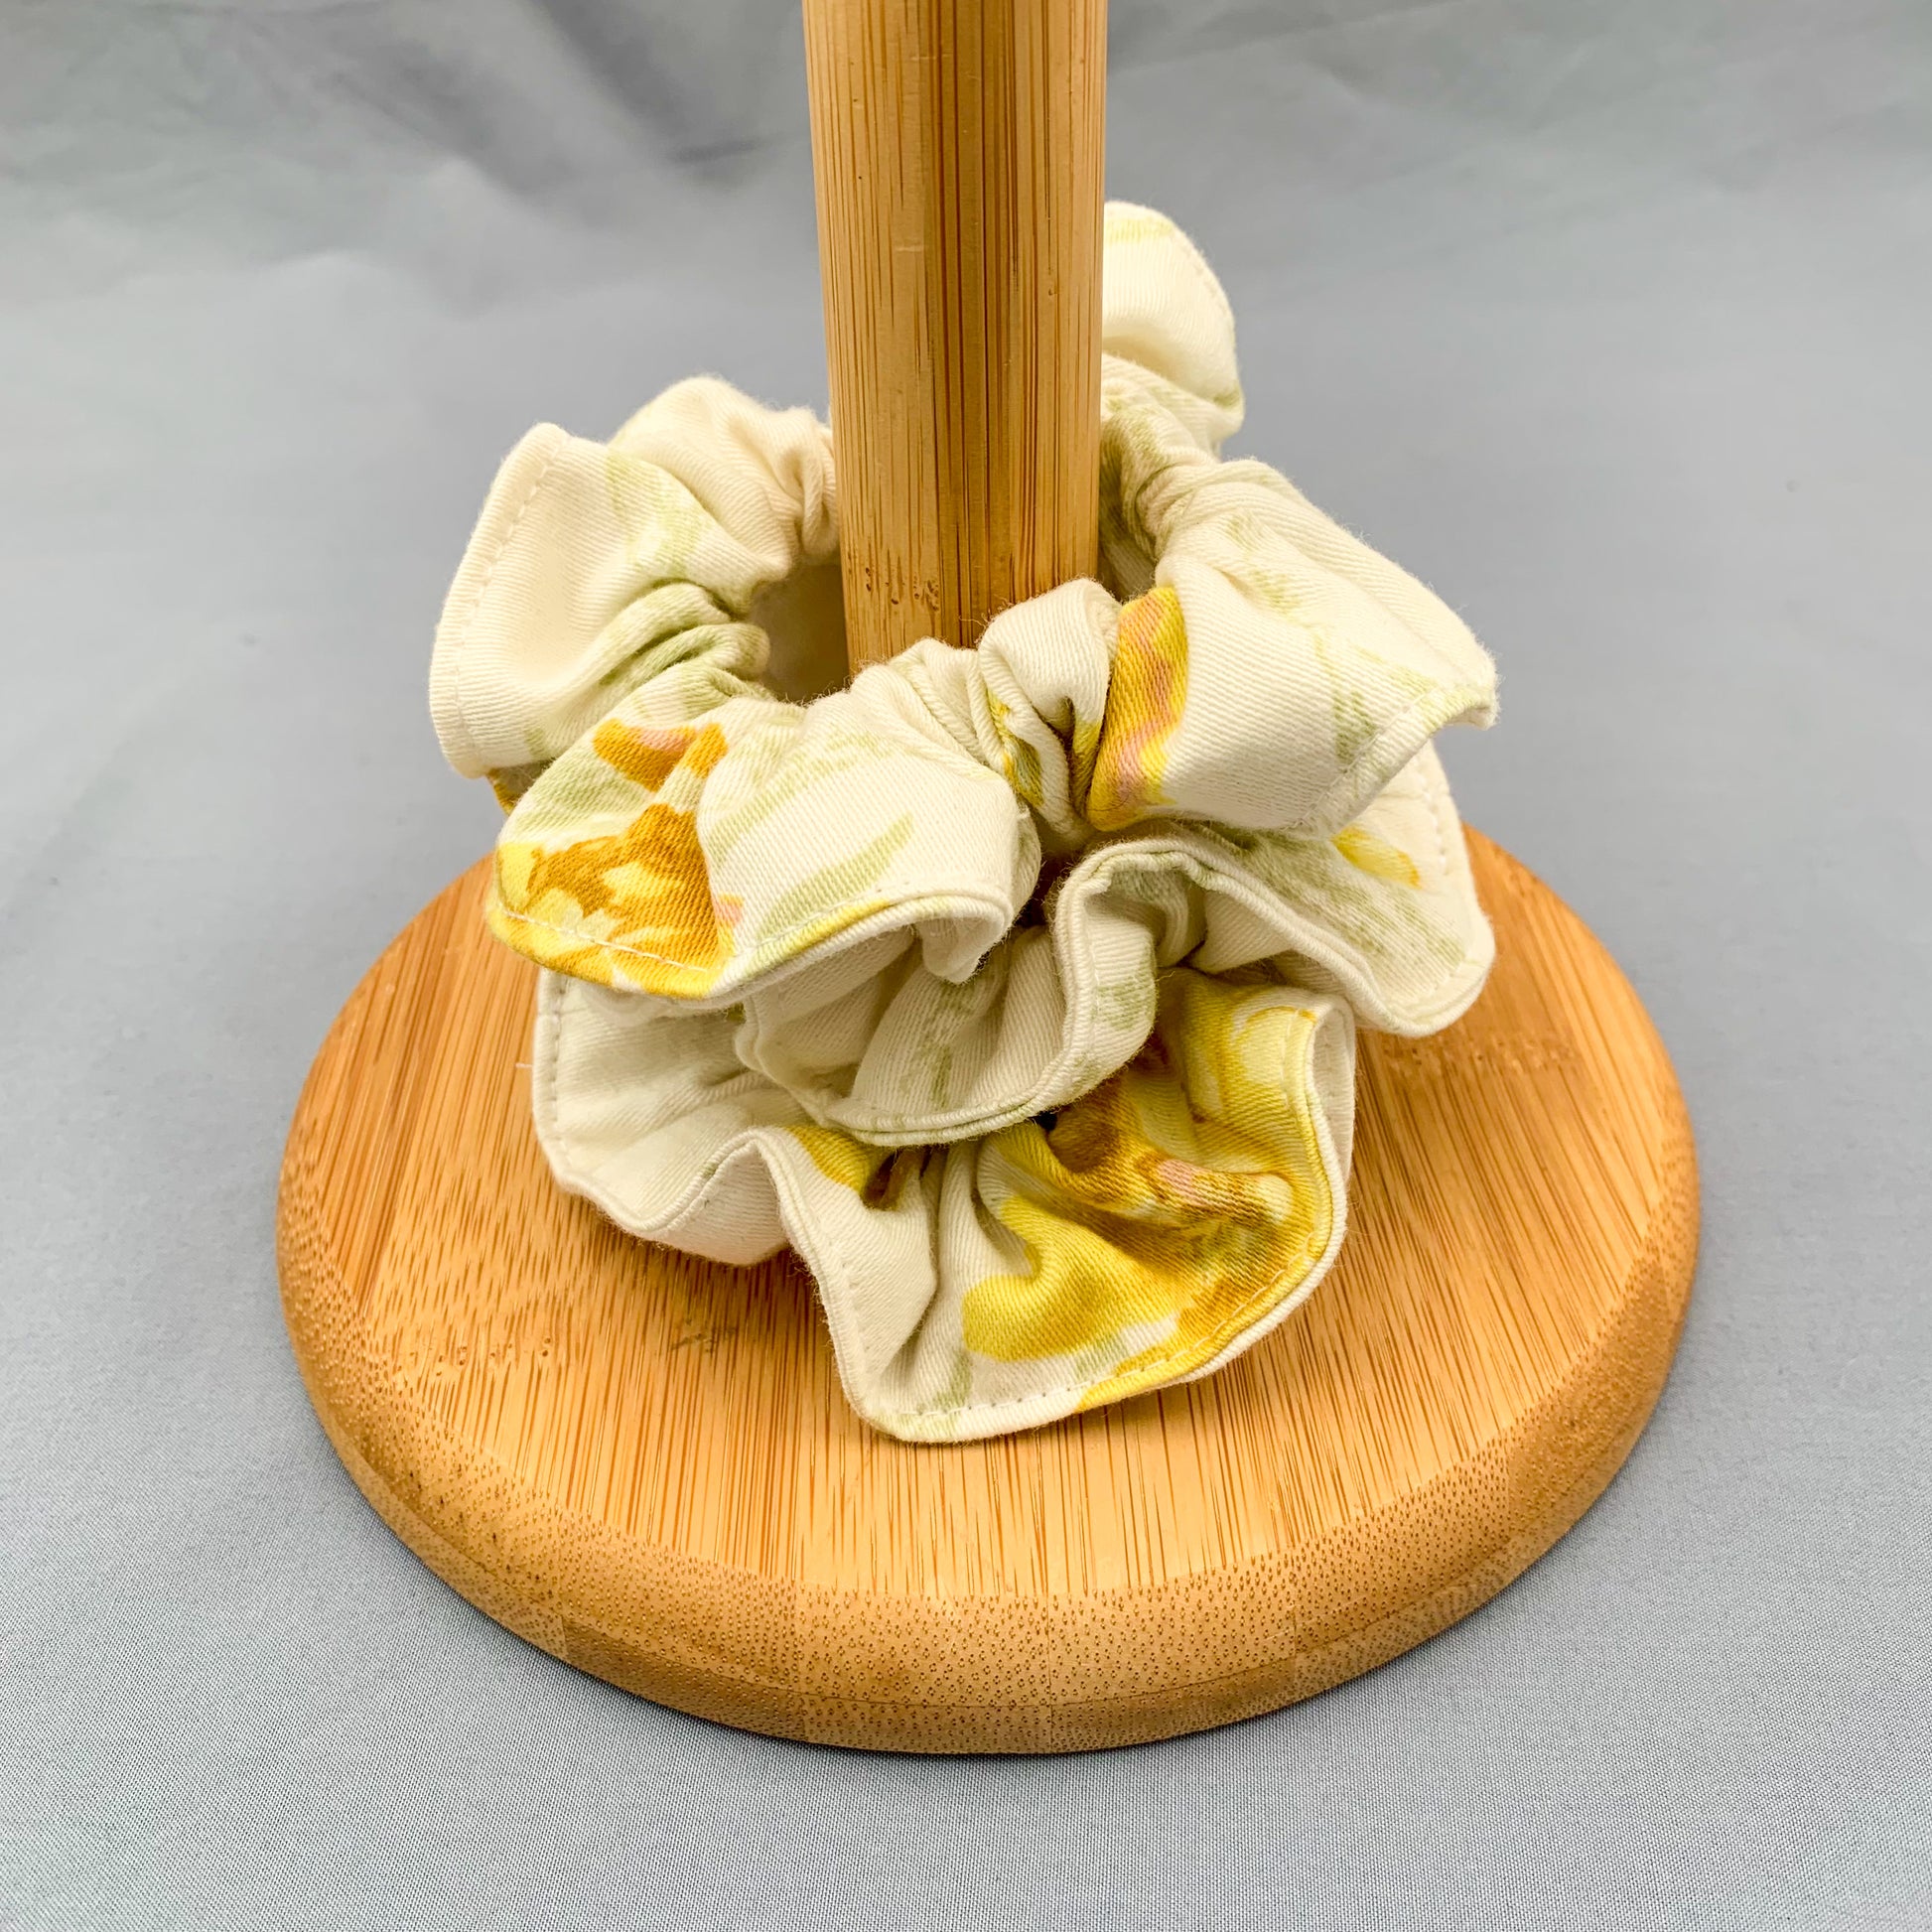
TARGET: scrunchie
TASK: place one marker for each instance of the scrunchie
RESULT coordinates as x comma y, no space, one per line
1016,987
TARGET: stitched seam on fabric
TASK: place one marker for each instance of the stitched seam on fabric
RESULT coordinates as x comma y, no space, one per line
1199,867
1169,1350
665,959
1433,792
460,645
1167,1354
694,1198
1436,791
793,1211
1403,718
1209,285
1337,1233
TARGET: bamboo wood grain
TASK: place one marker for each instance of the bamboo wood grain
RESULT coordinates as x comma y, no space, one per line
957,155
644,1462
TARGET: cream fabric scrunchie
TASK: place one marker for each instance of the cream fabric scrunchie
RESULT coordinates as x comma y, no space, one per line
1016,987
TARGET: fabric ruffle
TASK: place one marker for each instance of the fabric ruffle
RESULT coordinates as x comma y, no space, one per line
1015,987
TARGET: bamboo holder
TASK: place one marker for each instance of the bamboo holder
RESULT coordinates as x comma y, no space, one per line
957,153
644,1462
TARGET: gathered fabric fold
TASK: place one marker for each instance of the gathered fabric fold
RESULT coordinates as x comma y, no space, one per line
1015,987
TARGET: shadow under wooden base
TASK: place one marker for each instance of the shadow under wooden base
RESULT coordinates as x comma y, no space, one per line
644,1462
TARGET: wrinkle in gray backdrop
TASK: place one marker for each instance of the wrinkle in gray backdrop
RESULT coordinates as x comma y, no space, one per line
1610,323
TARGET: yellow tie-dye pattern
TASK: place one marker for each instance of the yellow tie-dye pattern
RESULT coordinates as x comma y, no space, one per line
648,754
635,907
1376,855
635,910
1138,1210
838,1157
875,1174
1146,696
1124,225
1017,760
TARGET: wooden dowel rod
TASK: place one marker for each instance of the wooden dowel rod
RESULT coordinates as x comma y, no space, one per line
957,150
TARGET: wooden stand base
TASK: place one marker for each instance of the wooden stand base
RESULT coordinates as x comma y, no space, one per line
644,1462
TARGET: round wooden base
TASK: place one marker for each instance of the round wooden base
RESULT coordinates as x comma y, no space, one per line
644,1462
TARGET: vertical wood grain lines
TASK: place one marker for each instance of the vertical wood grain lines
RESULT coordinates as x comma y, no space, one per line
644,1461
957,154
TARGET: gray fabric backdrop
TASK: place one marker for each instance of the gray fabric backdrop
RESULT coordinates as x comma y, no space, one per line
1610,321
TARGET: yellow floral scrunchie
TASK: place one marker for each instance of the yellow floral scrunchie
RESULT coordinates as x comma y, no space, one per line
1016,987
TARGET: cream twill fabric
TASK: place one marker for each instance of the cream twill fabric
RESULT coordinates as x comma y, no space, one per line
1015,988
